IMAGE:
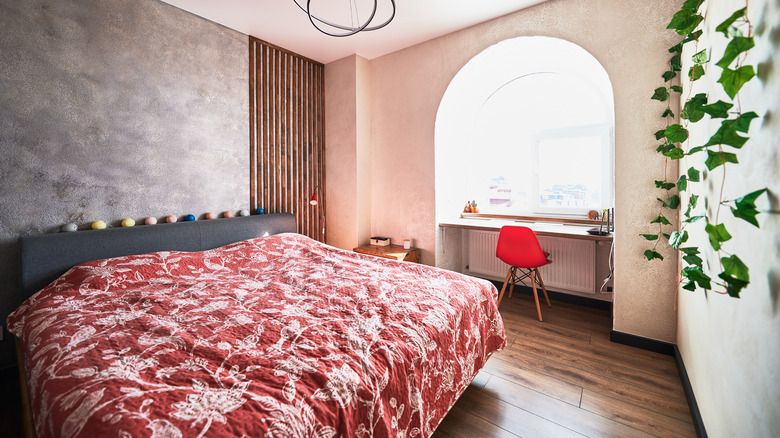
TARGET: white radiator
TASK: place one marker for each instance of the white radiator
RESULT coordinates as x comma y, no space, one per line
573,267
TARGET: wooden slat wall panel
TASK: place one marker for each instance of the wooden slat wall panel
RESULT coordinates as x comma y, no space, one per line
287,138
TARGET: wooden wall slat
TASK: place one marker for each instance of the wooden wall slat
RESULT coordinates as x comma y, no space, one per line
287,143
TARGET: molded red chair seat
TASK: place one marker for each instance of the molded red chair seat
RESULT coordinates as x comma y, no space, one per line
519,248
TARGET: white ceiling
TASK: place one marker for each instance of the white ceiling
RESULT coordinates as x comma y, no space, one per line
282,23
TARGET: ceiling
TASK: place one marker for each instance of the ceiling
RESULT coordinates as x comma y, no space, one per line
282,23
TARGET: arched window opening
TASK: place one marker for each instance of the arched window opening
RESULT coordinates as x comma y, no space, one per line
526,129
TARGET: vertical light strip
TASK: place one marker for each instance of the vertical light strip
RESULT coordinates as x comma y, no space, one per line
287,147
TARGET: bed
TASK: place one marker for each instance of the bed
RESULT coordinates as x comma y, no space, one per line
240,327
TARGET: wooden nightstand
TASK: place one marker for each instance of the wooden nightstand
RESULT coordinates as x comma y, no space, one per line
396,252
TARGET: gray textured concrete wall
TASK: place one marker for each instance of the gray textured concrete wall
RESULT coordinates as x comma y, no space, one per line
112,109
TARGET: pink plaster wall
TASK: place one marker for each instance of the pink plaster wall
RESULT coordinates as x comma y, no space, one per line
347,159
630,41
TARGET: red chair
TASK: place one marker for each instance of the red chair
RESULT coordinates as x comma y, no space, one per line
519,248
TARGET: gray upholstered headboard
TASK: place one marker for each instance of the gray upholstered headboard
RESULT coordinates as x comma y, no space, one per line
45,257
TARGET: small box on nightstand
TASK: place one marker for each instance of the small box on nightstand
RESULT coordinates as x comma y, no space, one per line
380,241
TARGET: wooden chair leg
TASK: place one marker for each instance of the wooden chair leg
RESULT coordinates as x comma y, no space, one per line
501,295
544,289
536,296
513,280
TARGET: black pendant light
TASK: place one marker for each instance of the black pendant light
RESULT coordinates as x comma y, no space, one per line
342,30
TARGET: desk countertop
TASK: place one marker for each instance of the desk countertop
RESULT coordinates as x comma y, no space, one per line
572,231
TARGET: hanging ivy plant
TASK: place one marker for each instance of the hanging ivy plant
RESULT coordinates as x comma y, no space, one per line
720,150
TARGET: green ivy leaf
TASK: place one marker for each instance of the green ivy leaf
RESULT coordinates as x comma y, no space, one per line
696,149
694,175
668,113
674,201
685,21
650,236
664,185
736,46
664,203
743,121
691,5
717,235
750,198
676,133
727,134
746,207
695,73
675,63
735,274
682,183
734,267
675,153
693,108
733,285
660,219
715,159
664,148
678,238
669,75
677,48
661,93
691,220
692,201
696,274
718,110
691,256
700,58
650,255
677,88
659,134
727,27
693,36
733,80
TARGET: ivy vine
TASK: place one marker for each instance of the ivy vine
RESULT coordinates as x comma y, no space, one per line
720,150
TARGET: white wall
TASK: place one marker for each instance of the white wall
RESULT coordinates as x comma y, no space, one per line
731,347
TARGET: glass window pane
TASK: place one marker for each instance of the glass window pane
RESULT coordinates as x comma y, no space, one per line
569,172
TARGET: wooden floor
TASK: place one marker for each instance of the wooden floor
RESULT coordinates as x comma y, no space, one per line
563,377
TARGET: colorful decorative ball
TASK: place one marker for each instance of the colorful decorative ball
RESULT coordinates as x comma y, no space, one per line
128,222
189,218
210,215
170,219
227,214
150,220
243,212
259,211
98,225
69,228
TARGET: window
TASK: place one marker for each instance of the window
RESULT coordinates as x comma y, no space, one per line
529,124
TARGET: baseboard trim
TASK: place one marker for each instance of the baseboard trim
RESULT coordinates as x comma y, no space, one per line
670,350
641,342
698,423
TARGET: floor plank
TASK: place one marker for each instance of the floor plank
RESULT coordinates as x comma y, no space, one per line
567,415
635,416
563,377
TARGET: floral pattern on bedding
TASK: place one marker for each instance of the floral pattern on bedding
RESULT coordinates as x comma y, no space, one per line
280,336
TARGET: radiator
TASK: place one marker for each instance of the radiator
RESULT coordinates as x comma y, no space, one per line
573,267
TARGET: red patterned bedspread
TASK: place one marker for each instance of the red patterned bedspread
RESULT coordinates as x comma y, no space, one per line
280,336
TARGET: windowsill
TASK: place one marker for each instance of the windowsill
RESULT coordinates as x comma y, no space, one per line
557,219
